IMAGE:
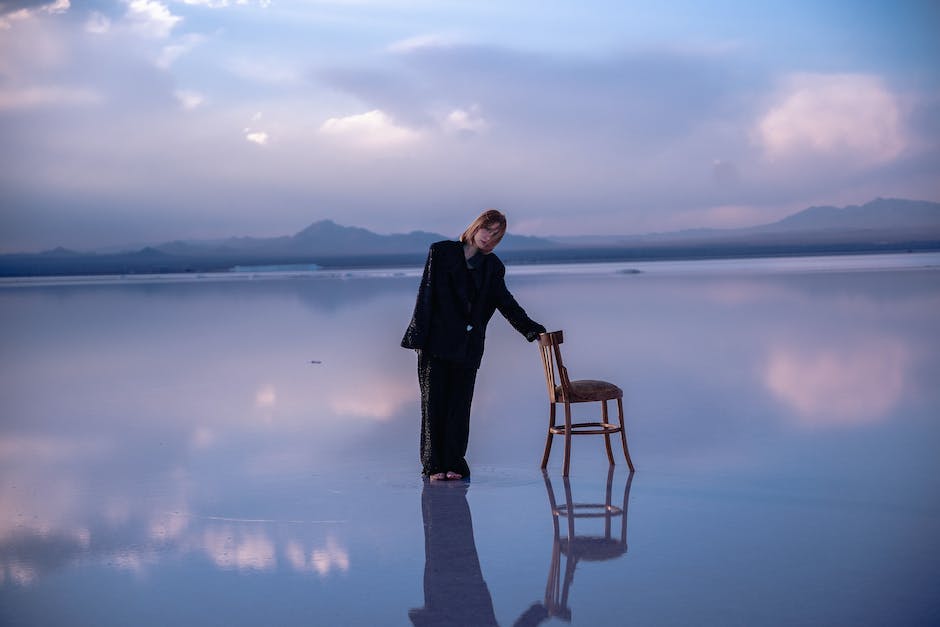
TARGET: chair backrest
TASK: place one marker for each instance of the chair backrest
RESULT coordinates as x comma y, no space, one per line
555,372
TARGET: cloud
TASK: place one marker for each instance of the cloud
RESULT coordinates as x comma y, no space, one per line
189,100
852,117
151,18
373,129
212,4
97,24
35,6
12,12
221,4
465,121
172,52
418,42
631,138
254,135
624,105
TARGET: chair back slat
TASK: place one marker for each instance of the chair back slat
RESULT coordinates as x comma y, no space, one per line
552,362
562,374
548,365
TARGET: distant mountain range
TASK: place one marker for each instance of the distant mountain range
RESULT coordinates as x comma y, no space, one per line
329,239
895,218
880,225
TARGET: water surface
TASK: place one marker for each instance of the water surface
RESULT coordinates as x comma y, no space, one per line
236,451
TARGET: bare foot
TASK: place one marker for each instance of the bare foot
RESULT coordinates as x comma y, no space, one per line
453,476
438,476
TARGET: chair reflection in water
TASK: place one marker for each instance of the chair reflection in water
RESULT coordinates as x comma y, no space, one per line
609,544
563,391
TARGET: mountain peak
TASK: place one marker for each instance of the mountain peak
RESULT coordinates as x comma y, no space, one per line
881,213
326,235
59,251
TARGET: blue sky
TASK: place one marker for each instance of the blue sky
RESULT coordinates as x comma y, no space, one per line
136,121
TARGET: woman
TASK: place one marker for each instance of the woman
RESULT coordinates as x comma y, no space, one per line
463,284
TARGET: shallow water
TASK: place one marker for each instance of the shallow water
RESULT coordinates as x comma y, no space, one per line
234,451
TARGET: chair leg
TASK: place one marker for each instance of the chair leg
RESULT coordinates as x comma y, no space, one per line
608,503
548,439
626,503
610,453
623,435
567,439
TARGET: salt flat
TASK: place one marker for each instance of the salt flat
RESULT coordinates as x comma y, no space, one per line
245,452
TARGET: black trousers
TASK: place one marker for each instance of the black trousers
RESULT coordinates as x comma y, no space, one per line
446,394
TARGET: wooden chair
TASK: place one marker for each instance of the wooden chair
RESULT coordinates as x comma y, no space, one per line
561,390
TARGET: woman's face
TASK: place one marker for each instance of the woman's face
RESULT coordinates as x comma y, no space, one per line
487,237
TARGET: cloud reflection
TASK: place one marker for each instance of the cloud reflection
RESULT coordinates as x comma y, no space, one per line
839,385
233,548
36,550
385,399
266,396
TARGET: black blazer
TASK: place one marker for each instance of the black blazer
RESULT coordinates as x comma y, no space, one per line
445,322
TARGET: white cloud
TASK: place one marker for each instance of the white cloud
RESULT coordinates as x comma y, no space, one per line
174,51
59,6
465,121
373,129
151,18
254,135
52,8
7,21
97,24
221,4
189,100
212,4
421,41
848,116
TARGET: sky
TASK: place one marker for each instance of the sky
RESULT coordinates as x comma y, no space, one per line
145,121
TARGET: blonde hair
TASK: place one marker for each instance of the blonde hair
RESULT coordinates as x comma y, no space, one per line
487,219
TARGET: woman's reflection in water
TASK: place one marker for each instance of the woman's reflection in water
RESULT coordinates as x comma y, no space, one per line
454,590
